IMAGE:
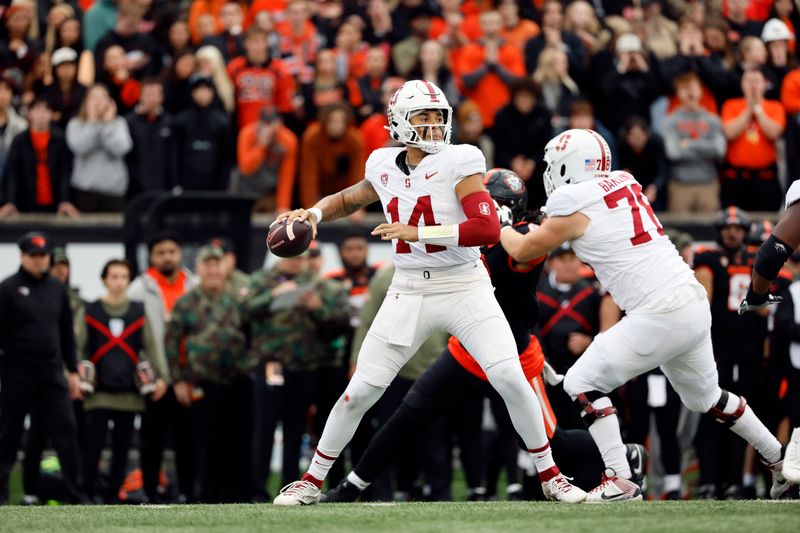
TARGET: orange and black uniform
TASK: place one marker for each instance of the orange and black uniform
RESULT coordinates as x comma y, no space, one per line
739,351
258,86
455,378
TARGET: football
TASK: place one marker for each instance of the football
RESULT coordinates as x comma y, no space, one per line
289,240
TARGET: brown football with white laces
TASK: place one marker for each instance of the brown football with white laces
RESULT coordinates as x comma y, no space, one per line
286,239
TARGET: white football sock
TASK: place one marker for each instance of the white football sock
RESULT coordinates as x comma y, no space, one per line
672,482
751,429
359,483
605,432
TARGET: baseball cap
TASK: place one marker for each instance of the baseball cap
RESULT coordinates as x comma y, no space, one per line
209,252
224,243
64,55
628,43
565,248
776,30
34,243
60,256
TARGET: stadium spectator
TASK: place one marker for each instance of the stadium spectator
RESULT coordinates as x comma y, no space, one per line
469,130
211,65
66,93
433,66
516,30
17,49
68,34
752,125
753,56
522,129
123,374
659,32
332,153
259,79
11,124
641,153
350,51
554,34
559,90
99,140
694,144
325,88
209,360
379,28
776,36
204,19
406,51
373,129
164,282
141,54
99,19
115,76
237,282
201,140
581,20
150,160
178,93
289,307
38,340
37,168
629,80
365,91
178,40
229,41
299,40
267,154
581,116
740,25
786,12
489,67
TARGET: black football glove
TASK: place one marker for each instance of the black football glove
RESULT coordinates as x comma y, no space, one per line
754,301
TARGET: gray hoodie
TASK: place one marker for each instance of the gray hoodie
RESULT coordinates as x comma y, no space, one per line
15,125
697,163
99,149
145,289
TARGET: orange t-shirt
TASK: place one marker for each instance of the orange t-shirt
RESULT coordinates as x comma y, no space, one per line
171,291
752,149
490,93
790,91
251,156
521,33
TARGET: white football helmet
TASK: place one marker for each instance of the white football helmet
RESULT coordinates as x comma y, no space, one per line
575,156
410,99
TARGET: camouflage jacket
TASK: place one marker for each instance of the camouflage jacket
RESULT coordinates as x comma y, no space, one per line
206,340
298,338
238,284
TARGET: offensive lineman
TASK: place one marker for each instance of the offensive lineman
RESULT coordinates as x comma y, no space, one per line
440,282
612,227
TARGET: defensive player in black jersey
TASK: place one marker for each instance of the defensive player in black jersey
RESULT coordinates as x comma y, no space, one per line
456,376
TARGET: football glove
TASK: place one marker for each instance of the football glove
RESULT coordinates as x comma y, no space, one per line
754,301
504,214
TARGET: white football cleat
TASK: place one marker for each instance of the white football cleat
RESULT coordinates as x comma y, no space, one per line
791,459
780,485
561,490
614,489
298,493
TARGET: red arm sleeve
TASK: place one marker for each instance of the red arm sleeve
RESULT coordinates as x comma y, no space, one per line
482,226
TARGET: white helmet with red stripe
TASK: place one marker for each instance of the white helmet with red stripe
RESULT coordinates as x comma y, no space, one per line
575,156
412,98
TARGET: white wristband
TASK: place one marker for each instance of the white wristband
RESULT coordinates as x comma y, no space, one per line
317,212
441,235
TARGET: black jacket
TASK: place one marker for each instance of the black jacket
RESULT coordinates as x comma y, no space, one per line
150,162
202,141
516,134
65,104
20,172
36,321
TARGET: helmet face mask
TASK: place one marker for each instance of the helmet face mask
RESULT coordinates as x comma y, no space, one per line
575,156
410,100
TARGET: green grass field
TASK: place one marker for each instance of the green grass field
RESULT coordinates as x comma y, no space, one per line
729,517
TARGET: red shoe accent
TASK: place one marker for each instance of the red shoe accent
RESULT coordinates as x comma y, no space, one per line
548,474
311,479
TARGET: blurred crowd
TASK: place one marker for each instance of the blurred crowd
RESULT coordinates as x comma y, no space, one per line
101,100
236,374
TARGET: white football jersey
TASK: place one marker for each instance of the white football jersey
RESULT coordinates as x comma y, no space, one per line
625,243
425,197
793,194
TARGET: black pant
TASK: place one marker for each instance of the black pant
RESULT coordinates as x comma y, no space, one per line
35,442
298,395
222,430
42,391
267,405
751,189
95,202
121,438
666,422
156,422
501,447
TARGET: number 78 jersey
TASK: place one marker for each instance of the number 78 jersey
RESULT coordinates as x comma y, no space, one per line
425,197
624,242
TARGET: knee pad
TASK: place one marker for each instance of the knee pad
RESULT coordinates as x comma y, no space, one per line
360,394
594,405
507,376
728,409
